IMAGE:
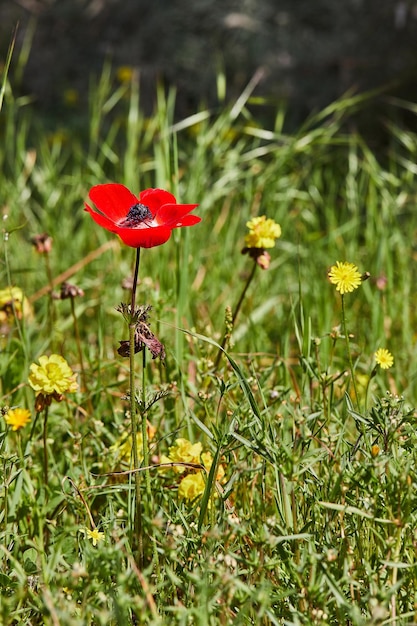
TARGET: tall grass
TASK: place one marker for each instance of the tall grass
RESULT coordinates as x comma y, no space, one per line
314,521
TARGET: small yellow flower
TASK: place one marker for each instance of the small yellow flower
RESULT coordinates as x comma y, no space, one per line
375,450
384,358
164,459
122,448
52,376
71,97
59,137
13,302
185,452
192,486
345,276
207,460
124,74
17,418
95,535
262,233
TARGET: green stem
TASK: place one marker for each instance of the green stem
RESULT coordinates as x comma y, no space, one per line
145,452
51,303
372,375
45,448
137,525
78,343
19,326
352,372
236,312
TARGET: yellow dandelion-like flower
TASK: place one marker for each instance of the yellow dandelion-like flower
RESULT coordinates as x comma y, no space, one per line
185,452
262,233
384,358
345,276
52,376
17,418
192,486
95,535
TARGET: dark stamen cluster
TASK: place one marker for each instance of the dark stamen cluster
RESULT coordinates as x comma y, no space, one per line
137,214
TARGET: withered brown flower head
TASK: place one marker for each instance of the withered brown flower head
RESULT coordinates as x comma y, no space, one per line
144,337
70,291
42,243
260,256
43,400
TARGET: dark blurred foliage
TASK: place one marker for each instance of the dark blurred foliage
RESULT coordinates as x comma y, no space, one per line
312,50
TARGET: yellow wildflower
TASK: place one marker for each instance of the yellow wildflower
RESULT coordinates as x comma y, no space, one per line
345,276
59,137
207,461
192,486
95,535
13,302
124,74
52,376
262,233
375,450
71,97
122,448
17,418
185,452
384,358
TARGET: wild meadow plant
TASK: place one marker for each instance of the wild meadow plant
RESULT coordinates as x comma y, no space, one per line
141,222
277,437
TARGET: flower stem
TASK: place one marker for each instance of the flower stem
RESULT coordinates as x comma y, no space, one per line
79,349
51,302
137,534
371,376
45,447
145,452
235,313
349,355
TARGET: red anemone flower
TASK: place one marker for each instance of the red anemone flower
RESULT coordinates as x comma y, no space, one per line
142,222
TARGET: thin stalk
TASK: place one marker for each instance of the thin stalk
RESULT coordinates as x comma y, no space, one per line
80,357
51,304
45,447
137,525
352,372
243,294
145,452
78,343
372,375
19,326
235,313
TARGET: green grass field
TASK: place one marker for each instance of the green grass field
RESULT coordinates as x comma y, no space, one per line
305,508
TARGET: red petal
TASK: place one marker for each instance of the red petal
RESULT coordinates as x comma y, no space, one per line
144,237
113,200
101,220
155,198
187,220
173,213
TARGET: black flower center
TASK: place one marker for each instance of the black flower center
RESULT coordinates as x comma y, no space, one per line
137,214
